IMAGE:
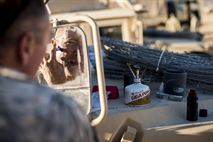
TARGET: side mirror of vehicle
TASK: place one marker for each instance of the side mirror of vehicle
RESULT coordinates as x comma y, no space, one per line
70,72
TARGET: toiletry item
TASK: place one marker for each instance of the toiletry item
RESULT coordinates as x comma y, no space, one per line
192,106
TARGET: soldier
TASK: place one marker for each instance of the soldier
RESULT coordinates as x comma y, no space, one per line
69,63
30,112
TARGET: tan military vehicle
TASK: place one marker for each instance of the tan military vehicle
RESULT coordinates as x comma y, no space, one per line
159,121
116,22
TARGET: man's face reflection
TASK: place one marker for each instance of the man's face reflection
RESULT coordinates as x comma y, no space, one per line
64,59
70,47
70,44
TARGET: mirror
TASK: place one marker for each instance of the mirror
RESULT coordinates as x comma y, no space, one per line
66,65
77,84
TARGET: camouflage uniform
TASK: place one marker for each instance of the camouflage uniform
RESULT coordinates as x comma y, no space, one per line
30,112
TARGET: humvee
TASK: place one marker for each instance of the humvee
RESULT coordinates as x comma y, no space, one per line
161,120
117,22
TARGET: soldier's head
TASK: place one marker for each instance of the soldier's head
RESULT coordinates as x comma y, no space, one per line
24,34
70,41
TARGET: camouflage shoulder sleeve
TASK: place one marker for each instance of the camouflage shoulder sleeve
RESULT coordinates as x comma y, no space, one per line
34,113
68,115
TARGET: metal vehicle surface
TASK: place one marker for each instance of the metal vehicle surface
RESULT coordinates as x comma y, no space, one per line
161,120
153,13
154,16
116,22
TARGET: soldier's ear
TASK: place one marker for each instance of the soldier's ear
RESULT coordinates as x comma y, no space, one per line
26,47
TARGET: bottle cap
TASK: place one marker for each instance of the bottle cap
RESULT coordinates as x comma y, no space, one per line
192,93
203,113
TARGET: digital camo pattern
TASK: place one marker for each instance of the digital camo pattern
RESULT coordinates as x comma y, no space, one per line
30,112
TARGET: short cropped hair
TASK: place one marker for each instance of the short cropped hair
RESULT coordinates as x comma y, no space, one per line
15,13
